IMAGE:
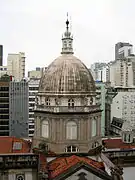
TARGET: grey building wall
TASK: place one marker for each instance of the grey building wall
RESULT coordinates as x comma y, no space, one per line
118,46
1,55
18,109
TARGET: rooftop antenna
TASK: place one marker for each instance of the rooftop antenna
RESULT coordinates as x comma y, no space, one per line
67,22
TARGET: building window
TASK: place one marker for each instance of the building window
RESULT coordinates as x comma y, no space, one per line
65,44
47,102
91,101
71,149
95,144
94,127
17,146
45,129
20,177
129,138
71,130
125,137
70,103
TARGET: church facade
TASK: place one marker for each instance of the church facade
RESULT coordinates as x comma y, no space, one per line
67,118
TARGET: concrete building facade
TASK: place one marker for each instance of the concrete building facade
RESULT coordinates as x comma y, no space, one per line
18,109
3,70
4,105
100,72
122,72
105,95
16,65
123,49
35,73
1,55
33,90
123,105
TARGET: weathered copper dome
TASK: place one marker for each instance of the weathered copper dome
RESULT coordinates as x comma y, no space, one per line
67,74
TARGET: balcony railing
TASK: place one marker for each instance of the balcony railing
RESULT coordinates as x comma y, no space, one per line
18,161
61,109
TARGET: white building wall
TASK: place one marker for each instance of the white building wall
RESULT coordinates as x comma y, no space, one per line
16,65
122,72
3,70
89,175
33,90
27,174
123,106
125,50
100,73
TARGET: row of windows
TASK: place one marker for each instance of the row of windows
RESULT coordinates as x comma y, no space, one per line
71,129
71,102
4,88
74,149
4,94
33,88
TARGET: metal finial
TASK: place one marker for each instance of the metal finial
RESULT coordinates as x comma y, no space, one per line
67,22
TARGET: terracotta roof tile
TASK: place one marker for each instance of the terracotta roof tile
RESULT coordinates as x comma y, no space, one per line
7,144
62,164
117,143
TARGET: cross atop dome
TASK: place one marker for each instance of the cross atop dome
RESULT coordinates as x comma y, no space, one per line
67,40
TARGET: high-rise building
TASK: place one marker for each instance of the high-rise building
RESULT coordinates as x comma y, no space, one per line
33,89
3,70
35,73
123,49
122,107
1,55
100,72
18,109
16,65
4,105
122,72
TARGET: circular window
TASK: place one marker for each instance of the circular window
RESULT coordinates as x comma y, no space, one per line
19,177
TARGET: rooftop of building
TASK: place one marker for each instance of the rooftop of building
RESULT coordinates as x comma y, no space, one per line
117,143
9,145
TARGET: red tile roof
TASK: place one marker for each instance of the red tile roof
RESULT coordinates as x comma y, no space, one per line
117,143
62,164
7,144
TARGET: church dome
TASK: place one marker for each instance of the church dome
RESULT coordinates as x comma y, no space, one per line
67,74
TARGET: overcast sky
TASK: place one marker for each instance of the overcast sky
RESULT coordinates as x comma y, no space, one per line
36,26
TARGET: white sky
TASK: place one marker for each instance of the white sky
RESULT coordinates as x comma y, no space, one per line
36,26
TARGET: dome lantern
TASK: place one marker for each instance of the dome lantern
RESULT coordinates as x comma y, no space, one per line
67,40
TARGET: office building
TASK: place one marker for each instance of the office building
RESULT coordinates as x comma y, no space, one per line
123,49
1,55
122,72
3,70
18,109
37,73
4,105
123,105
33,89
16,65
100,72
